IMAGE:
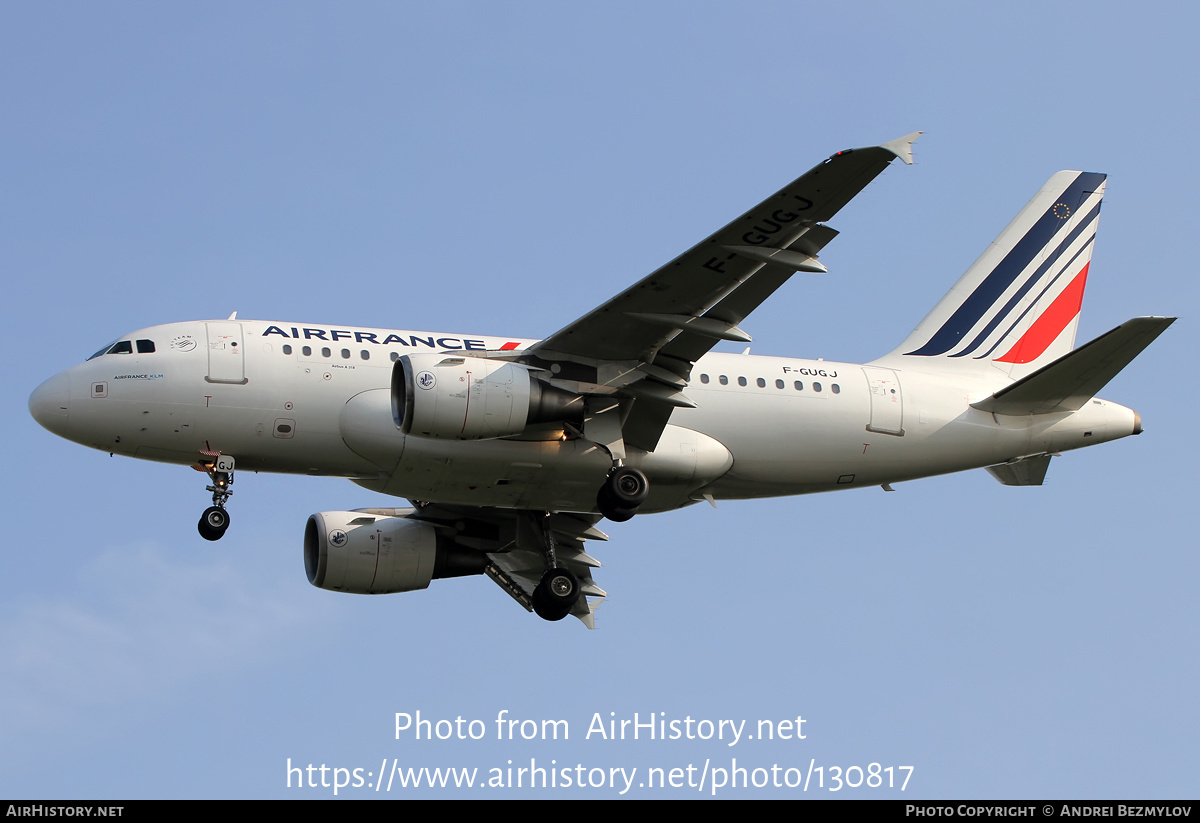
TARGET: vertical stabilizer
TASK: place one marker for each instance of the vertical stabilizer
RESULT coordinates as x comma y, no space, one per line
1017,308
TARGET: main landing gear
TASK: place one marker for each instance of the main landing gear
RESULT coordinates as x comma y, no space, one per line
557,593
559,589
624,490
215,519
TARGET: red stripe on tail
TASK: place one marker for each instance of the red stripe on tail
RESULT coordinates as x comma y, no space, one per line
1046,329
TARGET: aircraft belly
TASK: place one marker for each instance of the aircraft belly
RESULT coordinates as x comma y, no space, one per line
553,475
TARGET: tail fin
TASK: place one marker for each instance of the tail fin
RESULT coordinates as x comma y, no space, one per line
1017,308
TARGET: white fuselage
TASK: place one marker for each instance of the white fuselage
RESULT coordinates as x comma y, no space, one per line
282,397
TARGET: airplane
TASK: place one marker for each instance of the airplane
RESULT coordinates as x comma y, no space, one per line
512,450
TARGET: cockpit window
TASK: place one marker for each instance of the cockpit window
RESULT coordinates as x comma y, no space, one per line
126,347
104,350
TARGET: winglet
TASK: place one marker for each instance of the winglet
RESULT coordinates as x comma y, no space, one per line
902,146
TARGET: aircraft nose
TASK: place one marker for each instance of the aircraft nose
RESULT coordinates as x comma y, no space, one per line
48,403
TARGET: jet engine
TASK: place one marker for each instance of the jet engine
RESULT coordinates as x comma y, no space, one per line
364,553
468,398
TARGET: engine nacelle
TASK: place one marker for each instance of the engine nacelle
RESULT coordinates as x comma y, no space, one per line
379,554
469,398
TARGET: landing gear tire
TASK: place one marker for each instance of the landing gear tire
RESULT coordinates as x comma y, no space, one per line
624,490
615,513
556,594
213,523
627,487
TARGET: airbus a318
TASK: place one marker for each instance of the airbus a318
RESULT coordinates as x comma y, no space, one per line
512,450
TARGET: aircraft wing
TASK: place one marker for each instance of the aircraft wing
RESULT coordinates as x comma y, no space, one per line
643,342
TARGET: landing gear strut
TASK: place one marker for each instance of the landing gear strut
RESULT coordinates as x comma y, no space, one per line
559,589
215,519
624,490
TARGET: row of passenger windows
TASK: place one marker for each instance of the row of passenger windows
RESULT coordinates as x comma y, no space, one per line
307,351
126,347
797,385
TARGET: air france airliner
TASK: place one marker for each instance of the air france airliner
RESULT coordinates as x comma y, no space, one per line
511,450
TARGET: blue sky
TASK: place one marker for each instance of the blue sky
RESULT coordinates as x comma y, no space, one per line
502,169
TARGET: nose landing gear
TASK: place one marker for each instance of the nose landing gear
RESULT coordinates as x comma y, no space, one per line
215,519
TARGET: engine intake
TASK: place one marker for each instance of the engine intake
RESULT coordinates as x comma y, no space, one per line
467,398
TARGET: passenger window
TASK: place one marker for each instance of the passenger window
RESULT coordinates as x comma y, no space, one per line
366,355
287,349
779,384
325,352
762,384
307,351
395,356
724,380
704,378
816,386
835,388
345,354
145,346
799,386
741,381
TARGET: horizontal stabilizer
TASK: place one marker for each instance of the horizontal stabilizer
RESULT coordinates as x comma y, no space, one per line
1024,471
1076,377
